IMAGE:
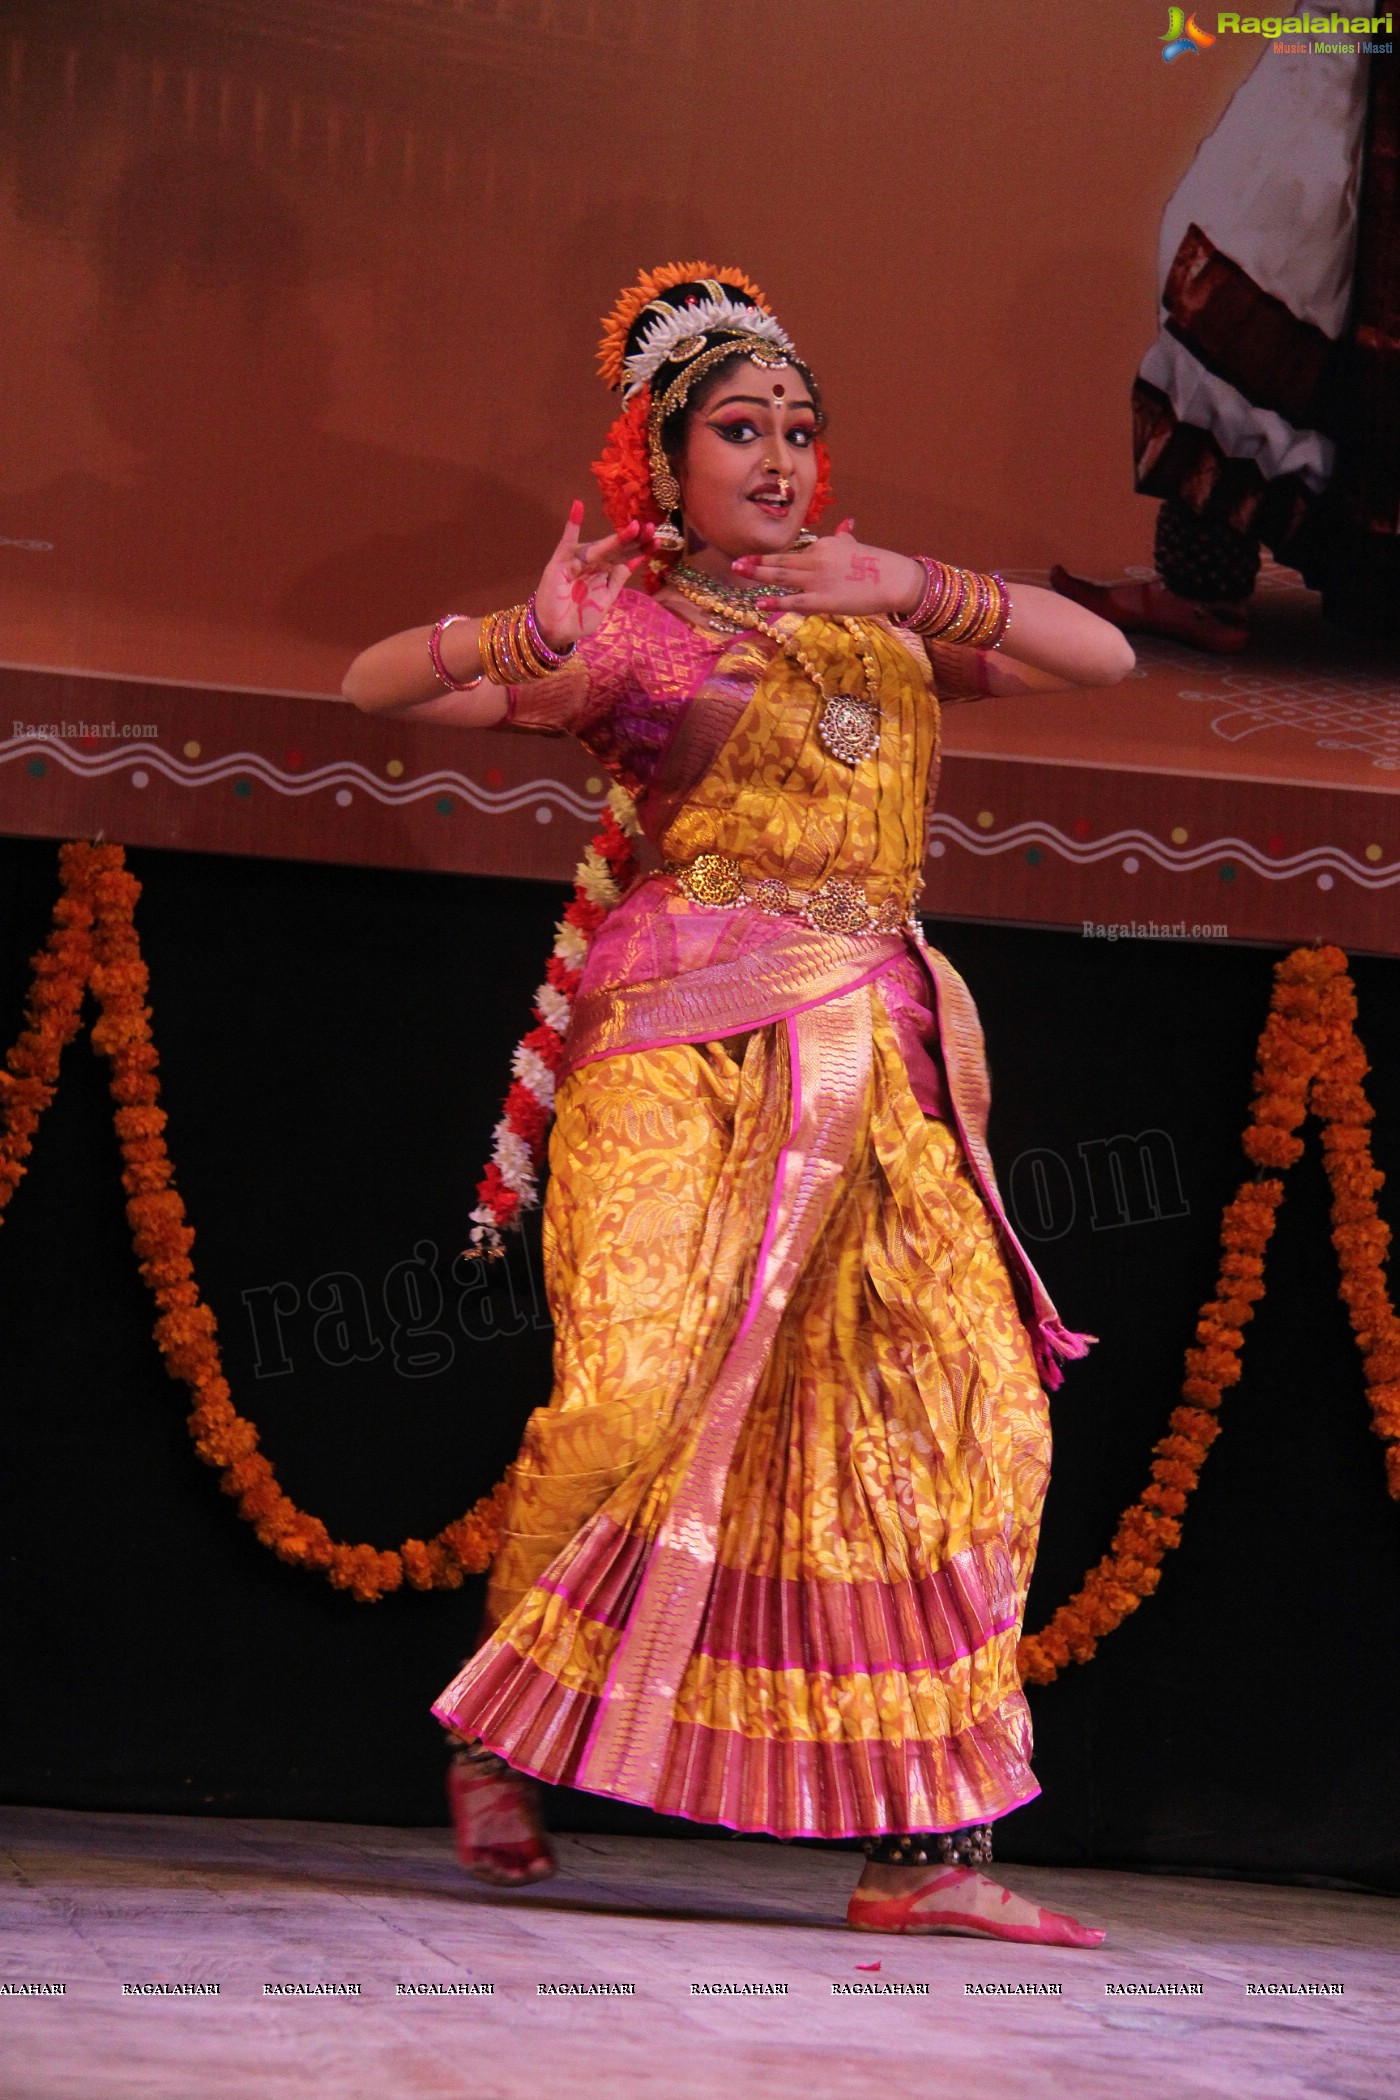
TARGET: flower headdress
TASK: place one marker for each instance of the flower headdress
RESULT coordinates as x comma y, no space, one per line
665,333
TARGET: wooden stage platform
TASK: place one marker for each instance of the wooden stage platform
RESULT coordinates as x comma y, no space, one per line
1280,1992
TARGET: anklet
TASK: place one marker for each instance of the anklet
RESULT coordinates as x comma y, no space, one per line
957,1848
478,1757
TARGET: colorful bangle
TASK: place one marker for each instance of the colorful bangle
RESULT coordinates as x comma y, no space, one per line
965,606
934,580
513,651
555,659
1003,618
444,676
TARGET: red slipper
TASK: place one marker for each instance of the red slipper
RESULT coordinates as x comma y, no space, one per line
496,1820
898,1914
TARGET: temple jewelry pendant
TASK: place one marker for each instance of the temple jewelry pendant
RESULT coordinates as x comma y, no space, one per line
849,728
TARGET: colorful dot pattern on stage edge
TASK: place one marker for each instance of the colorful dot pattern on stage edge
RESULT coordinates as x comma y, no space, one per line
444,804
1083,829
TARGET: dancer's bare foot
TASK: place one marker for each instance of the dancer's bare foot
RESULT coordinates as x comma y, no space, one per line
1150,608
496,1819
958,1899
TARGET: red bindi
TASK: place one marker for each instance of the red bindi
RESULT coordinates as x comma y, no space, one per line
778,392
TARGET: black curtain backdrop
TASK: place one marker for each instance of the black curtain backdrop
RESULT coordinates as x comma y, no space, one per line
334,1045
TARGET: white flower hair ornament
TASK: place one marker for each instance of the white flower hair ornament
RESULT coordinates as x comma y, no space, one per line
678,333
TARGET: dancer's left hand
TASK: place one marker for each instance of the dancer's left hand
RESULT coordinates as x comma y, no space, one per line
839,574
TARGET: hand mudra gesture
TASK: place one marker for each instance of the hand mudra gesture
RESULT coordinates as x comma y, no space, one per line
581,581
838,574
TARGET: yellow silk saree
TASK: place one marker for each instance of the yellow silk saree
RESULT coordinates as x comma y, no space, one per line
766,1548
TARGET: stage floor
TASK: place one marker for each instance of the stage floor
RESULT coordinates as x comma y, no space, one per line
101,1902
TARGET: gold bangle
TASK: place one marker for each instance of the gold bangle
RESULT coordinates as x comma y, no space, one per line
508,654
965,612
987,631
523,648
486,649
967,606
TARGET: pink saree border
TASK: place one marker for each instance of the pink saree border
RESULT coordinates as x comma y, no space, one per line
785,1012
858,1787
627,1746
770,1223
842,1626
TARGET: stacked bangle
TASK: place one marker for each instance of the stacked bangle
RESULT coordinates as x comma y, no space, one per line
444,676
960,605
510,645
512,649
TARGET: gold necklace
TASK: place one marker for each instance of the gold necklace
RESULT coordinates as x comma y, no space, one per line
849,724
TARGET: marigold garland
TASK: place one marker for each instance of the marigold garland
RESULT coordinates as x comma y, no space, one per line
93,945
1309,1057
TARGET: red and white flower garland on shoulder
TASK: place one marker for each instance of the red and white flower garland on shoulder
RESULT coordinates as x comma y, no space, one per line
510,1185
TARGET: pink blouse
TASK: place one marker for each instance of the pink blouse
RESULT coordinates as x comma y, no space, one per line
624,690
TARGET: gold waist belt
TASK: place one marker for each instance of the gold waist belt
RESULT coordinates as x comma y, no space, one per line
719,881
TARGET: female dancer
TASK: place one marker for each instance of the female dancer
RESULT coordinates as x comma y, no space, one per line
766,1550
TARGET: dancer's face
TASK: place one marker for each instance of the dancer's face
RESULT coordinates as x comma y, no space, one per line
749,463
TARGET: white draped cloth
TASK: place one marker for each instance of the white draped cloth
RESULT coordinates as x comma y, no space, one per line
1275,189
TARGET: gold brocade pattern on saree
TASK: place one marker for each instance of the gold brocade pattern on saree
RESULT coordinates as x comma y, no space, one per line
898,1432
780,806
767,1548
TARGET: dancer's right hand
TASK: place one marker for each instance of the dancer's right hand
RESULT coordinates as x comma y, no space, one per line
581,581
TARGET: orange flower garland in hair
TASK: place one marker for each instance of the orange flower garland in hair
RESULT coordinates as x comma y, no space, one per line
617,325
1308,1057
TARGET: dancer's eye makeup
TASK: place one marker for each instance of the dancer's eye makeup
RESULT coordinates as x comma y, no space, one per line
742,430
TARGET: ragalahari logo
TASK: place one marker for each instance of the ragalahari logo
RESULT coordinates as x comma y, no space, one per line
1184,33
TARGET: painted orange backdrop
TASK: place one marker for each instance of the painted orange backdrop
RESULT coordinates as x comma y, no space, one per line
298,333
307,289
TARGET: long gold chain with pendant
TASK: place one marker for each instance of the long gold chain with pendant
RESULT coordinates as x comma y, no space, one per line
849,724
